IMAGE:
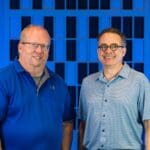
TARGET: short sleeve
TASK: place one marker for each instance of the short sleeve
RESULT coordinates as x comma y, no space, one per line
144,99
3,102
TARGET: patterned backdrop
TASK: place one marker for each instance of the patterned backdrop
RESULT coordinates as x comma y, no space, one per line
73,26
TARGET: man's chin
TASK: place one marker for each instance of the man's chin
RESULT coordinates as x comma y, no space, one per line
37,65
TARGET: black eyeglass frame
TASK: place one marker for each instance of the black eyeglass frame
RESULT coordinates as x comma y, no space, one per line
113,47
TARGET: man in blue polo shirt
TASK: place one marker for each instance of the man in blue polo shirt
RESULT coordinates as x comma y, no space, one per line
36,112
114,106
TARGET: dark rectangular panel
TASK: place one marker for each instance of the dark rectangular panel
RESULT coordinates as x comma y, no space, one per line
37,4
72,91
127,26
14,4
25,21
116,22
51,52
93,67
71,27
82,4
82,71
105,4
139,67
59,68
49,25
93,4
127,4
59,4
13,49
93,27
139,27
71,4
71,50
128,56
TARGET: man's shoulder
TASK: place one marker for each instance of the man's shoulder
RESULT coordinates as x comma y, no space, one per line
55,77
6,71
92,77
137,75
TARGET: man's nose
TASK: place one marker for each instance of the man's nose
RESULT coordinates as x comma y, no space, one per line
108,49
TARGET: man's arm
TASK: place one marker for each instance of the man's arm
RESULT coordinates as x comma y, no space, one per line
147,134
81,134
0,145
67,135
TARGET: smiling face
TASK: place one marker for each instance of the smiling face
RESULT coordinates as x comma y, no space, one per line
110,57
32,56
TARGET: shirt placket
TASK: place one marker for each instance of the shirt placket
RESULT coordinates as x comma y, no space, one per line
104,118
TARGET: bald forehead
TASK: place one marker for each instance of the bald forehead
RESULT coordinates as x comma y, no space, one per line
34,29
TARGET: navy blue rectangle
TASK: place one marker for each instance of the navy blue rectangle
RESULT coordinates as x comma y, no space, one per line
127,26
93,27
71,4
14,4
49,25
128,56
93,4
71,27
82,71
60,69
37,4
59,4
139,27
71,50
13,49
82,4
105,4
116,22
127,4
25,20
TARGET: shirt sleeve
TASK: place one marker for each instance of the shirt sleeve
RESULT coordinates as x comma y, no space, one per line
3,102
144,99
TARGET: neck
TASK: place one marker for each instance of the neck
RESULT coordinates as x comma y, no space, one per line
35,71
110,72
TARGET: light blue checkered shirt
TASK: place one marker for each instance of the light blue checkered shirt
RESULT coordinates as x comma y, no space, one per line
114,110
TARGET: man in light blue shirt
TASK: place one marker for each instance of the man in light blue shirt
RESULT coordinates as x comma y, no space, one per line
114,106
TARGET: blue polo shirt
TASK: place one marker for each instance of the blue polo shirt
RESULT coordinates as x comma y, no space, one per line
115,110
32,119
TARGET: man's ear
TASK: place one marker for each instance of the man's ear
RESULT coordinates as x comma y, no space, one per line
19,48
124,51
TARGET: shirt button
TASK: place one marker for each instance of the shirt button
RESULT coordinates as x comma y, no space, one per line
104,115
105,100
102,145
103,130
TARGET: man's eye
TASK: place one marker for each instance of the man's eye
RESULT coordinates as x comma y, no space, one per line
103,46
114,46
35,45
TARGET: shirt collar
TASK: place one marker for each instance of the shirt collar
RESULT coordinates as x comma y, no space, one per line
123,73
19,68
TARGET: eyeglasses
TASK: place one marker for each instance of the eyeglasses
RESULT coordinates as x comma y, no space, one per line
113,47
34,46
